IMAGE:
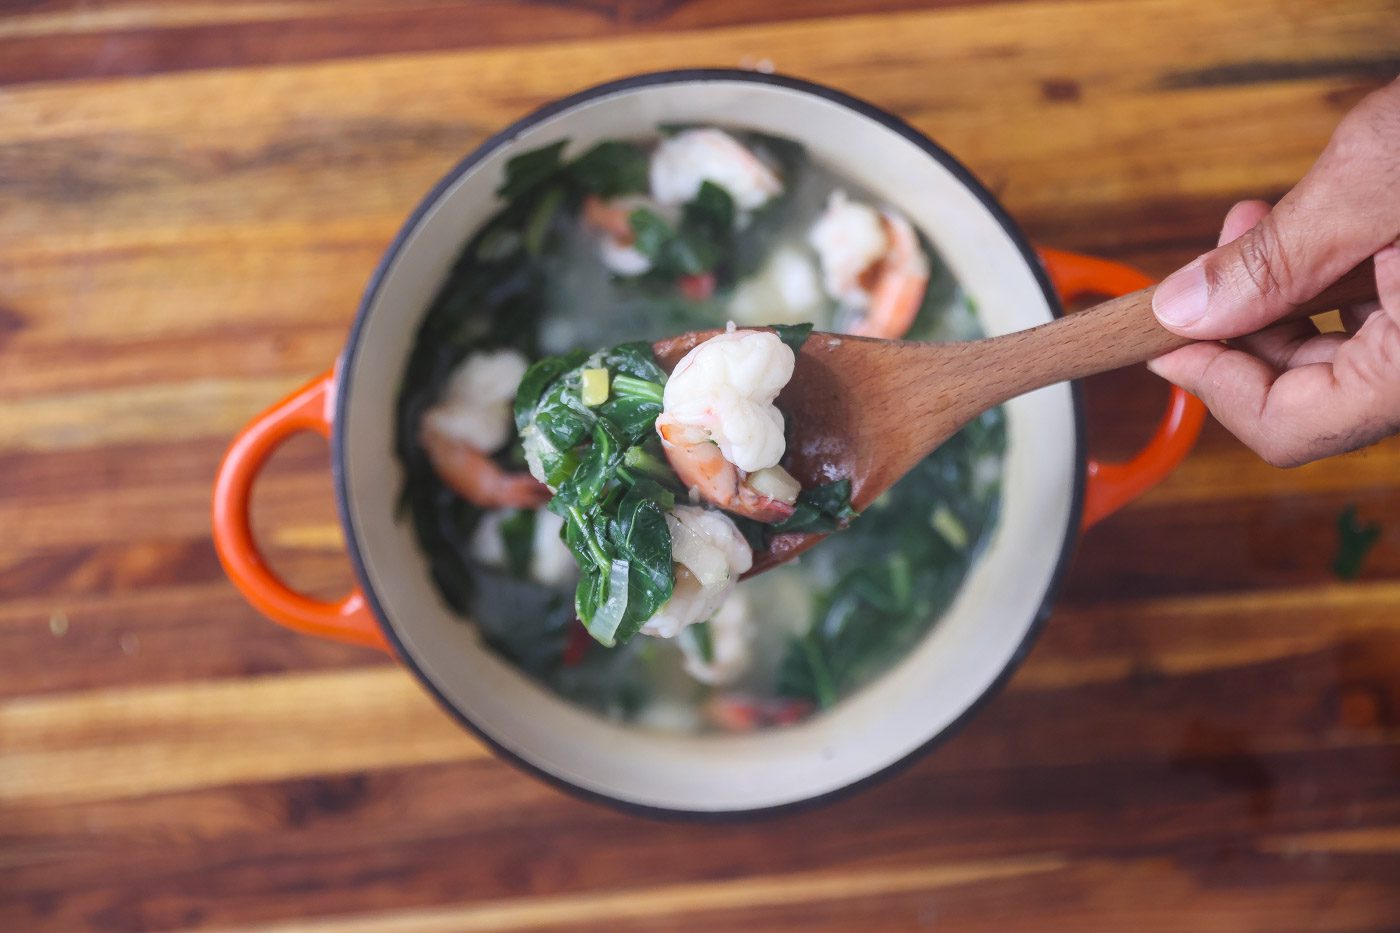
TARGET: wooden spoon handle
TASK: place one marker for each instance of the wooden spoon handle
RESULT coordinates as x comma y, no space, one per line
1124,331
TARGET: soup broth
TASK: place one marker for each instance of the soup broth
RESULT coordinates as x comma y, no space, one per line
533,280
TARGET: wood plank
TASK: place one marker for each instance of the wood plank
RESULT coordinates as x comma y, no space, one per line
338,846
632,905
1172,677
64,44
192,195
167,633
330,131
143,741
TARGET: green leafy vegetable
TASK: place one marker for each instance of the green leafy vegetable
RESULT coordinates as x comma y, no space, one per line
794,335
518,537
613,507
896,569
1355,539
538,378
542,218
611,169
529,169
702,639
821,509
702,239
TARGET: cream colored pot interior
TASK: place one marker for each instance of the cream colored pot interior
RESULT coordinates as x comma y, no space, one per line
926,692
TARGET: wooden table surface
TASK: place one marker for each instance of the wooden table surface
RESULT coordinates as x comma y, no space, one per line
192,195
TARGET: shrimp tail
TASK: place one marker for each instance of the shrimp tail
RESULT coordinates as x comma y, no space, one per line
701,467
479,479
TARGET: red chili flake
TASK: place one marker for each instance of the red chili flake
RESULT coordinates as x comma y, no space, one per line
579,644
697,287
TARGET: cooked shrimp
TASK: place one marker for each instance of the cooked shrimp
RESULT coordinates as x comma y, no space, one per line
476,477
702,468
470,422
726,387
612,220
687,160
731,644
873,264
709,554
720,429
737,712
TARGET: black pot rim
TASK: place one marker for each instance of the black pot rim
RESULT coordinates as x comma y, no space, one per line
504,137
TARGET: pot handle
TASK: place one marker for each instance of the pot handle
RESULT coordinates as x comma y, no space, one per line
348,619
1113,485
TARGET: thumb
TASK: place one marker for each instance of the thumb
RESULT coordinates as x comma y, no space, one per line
1343,210
1240,287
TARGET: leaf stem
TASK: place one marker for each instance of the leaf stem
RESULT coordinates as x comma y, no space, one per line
626,386
821,674
638,459
599,557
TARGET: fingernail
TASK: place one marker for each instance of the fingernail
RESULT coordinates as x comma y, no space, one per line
1181,298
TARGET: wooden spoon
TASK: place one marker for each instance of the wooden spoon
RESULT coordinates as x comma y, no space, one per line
869,410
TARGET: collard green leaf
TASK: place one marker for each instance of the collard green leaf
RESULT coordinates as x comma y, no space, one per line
611,169
596,467
900,570
541,220
635,359
561,415
633,416
650,234
643,537
537,379
702,239
529,170
821,509
518,539
794,335
614,509
710,215
701,638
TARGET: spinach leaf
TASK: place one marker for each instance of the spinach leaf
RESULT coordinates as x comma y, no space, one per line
642,535
611,169
794,335
541,220
530,169
702,638
901,569
538,378
613,495
709,216
597,465
650,234
518,537
635,359
635,401
702,239
1355,539
821,509
631,413
561,416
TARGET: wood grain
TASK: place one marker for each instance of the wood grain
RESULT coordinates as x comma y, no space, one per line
192,195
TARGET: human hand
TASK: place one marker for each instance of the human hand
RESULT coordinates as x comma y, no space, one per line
1291,394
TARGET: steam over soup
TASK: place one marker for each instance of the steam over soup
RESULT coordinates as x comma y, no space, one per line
554,487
